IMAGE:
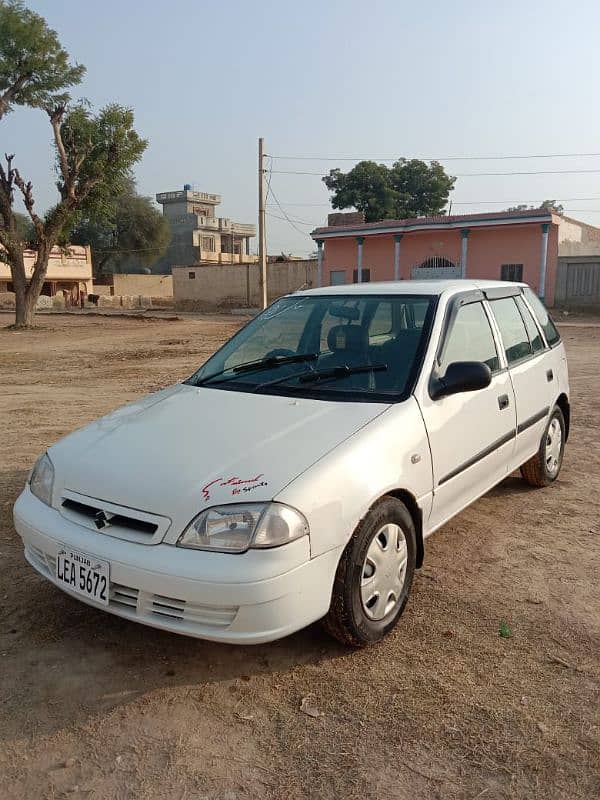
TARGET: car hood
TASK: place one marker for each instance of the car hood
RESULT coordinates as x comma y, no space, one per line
186,448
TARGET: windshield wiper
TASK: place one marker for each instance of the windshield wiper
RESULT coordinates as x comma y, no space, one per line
259,364
335,373
320,375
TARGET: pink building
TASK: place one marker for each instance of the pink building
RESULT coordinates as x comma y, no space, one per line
508,245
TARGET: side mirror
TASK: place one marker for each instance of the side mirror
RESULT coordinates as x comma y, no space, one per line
461,376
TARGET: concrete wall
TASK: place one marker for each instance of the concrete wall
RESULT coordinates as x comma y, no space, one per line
152,285
577,239
238,285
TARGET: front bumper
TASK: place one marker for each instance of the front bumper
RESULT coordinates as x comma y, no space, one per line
246,598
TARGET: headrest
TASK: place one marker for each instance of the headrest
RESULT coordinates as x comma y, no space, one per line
347,338
343,311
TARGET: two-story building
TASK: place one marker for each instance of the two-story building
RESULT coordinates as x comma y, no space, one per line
198,236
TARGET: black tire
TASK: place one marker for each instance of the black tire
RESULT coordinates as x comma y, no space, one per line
536,471
347,619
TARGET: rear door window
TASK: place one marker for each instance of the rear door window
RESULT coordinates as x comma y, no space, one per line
535,337
380,327
550,332
512,329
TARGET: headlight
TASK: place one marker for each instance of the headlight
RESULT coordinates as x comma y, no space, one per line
235,528
41,480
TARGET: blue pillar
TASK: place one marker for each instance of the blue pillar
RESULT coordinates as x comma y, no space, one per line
543,259
463,252
319,262
397,240
359,259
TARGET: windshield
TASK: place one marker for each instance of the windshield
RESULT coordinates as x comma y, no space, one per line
346,347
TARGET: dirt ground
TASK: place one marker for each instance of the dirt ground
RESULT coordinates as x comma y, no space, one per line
92,706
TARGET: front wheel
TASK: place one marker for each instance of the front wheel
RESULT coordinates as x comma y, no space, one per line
374,576
543,468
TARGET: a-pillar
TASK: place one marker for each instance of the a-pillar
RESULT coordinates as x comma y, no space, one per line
359,258
319,262
543,259
463,252
397,240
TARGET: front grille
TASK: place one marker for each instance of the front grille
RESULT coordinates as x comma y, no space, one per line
124,596
109,519
132,602
184,611
119,520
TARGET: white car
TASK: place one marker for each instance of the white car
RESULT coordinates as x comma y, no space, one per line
297,474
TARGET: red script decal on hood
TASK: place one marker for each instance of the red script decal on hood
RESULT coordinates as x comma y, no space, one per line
238,484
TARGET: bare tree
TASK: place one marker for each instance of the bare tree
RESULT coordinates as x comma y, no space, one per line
94,154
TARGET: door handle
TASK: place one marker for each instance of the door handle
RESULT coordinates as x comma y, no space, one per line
549,375
503,402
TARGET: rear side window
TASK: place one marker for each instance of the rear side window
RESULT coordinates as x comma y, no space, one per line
381,321
535,337
419,312
470,339
512,329
550,332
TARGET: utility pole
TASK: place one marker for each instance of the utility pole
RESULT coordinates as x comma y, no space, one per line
262,237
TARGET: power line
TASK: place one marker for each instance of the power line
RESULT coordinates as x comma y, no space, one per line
298,222
443,158
296,219
309,204
463,202
470,174
138,250
538,200
304,233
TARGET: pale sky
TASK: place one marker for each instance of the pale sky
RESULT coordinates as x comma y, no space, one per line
375,80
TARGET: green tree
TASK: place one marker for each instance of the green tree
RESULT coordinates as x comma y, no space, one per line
93,153
407,189
131,233
548,205
34,68
24,228
552,205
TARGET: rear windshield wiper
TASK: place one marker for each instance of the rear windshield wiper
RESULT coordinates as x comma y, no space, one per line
259,364
320,375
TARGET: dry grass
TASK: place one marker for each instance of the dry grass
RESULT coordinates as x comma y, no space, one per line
96,707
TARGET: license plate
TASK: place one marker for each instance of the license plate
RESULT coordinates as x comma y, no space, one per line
84,574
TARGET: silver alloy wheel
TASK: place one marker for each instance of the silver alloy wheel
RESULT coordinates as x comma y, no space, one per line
553,447
384,572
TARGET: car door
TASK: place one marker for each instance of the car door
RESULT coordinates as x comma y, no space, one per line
471,434
530,367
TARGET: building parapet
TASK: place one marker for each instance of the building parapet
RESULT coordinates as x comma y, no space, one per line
188,194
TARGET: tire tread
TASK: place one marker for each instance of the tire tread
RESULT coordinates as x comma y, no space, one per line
534,470
338,621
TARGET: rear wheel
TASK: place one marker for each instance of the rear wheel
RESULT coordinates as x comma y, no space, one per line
374,576
543,468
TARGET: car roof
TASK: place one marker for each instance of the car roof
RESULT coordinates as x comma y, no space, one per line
427,287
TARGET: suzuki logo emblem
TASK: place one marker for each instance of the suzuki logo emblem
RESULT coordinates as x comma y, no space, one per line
100,520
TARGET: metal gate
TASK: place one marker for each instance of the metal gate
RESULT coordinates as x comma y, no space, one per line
435,268
578,282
